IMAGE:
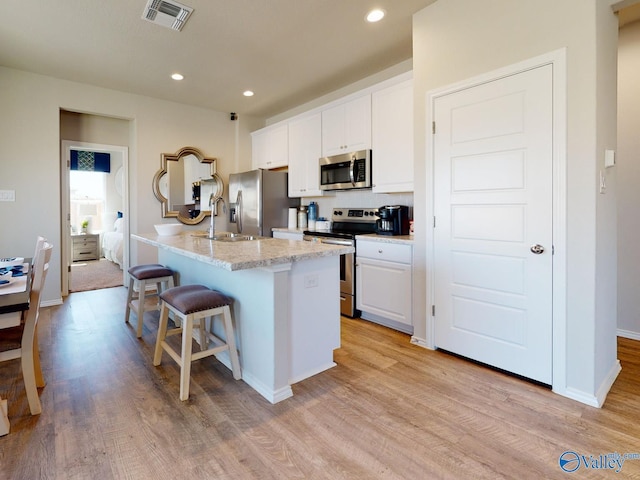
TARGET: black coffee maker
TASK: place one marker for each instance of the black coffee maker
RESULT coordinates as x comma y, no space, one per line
394,220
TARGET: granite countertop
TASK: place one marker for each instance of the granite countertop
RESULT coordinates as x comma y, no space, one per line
241,255
402,239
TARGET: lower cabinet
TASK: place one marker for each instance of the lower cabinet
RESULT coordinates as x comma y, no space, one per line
384,283
85,247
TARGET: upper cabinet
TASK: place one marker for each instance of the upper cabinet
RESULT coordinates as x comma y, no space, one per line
392,138
347,127
305,148
270,147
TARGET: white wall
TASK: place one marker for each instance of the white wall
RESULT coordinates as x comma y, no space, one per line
628,173
30,154
458,39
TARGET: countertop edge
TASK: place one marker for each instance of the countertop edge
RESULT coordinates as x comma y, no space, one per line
399,239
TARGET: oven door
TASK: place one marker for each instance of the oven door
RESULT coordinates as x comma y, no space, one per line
347,277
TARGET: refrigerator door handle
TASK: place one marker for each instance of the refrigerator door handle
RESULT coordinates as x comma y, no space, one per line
239,211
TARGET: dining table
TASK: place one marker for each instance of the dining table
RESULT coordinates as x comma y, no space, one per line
14,301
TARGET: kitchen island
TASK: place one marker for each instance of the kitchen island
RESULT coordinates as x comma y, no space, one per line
287,301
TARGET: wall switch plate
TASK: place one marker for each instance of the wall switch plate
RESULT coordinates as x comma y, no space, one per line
603,182
609,158
7,195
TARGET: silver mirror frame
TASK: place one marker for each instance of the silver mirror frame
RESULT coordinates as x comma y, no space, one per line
182,216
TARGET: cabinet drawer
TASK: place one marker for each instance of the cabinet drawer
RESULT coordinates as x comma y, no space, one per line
85,240
85,243
391,252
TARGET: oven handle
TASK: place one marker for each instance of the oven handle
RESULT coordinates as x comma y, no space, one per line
332,241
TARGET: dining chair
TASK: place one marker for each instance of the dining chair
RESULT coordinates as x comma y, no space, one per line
40,241
22,341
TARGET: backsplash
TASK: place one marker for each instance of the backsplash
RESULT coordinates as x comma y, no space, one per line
359,199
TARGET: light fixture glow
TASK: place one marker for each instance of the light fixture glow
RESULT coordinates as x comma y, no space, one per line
248,93
177,76
375,15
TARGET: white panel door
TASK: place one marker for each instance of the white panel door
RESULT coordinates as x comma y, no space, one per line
493,206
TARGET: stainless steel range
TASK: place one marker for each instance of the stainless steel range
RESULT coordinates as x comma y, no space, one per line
346,223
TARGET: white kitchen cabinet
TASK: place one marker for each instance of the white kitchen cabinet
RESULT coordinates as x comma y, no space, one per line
347,127
384,284
392,138
305,149
270,147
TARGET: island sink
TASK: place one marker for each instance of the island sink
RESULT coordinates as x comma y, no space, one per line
227,237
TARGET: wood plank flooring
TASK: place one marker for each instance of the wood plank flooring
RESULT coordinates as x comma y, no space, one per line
389,410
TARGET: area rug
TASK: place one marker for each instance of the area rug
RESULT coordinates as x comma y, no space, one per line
94,275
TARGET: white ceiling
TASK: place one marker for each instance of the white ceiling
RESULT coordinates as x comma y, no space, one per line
287,51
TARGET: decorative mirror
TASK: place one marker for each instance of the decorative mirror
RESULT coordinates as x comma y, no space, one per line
187,185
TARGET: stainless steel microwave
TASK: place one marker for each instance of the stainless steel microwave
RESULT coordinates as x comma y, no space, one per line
346,171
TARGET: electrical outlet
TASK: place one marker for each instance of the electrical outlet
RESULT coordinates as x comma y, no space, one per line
7,195
310,281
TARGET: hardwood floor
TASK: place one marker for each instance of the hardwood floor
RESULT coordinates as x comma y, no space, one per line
389,410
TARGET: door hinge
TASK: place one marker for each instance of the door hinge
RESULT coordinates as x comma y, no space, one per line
433,310
434,222
69,268
433,127
68,163
553,249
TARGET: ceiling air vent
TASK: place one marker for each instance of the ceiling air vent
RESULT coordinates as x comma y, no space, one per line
167,13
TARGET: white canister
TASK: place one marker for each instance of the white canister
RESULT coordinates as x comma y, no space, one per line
293,218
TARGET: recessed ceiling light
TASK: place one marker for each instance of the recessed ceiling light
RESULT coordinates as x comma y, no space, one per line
248,93
177,76
375,15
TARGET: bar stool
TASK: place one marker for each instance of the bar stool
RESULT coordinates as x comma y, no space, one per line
191,304
144,275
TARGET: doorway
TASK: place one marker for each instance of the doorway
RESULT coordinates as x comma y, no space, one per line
94,212
491,281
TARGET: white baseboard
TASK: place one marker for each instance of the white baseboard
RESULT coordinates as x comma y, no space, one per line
51,303
628,334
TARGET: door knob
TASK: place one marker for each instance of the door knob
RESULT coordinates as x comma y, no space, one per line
537,249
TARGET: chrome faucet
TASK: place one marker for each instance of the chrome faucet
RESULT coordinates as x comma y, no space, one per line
213,207
212,226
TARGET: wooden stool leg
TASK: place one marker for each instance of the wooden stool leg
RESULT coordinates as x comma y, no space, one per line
129,299
231,342
185,369
204,337
162,334
142,288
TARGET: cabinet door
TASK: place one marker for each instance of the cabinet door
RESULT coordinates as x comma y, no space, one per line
384,289
333,127
259,149
358,124
347,127
392,138
305,149
279,146
270,147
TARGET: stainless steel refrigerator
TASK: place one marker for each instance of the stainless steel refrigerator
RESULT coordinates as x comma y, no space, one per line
259,201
